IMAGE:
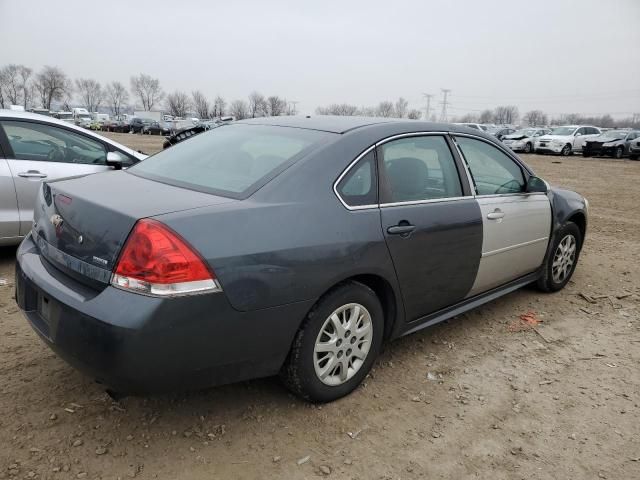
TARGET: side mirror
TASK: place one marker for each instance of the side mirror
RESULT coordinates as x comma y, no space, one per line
115,160
578,134
536,184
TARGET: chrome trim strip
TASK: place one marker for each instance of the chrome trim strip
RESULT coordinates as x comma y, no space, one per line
518,194
512,247
420,202
346,170
411,134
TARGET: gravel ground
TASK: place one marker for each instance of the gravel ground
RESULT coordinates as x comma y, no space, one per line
485,395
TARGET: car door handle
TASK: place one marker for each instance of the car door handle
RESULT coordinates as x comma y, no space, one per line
32,174
401,229
497,214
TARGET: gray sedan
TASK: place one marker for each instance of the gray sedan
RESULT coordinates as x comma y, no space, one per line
37,147
291,246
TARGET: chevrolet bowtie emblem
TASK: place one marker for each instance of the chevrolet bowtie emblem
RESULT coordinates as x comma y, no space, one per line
56,220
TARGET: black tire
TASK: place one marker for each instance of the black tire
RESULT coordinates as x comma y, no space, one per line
619,152
298,372
585,153
566,150
633,157
546,282
528,147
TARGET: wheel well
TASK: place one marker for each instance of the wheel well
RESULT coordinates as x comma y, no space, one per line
580,220
385,294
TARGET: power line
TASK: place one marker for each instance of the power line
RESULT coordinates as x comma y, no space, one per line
444,103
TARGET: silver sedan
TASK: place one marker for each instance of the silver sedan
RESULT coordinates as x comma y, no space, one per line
36,147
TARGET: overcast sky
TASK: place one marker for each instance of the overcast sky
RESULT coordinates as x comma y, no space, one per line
559,56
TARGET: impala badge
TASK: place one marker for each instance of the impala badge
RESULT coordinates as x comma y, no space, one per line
56,220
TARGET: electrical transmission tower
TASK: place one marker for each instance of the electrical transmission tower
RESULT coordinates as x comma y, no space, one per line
427,109
293,107
444,103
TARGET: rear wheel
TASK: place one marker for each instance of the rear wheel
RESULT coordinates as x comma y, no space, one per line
566,150
528,147
336,345
562,261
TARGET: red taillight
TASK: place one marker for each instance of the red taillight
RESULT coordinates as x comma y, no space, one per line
157,261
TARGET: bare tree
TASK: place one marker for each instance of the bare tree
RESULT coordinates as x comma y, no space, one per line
257,105
401,108
200,104
147,89
116,95
384,109
12,85
90,91
486,116
26,85
219,106
535,118
178,103
52,84
414,114
239,109
276,106
507,114
342,109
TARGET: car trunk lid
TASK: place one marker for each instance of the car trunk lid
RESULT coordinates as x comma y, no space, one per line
81,224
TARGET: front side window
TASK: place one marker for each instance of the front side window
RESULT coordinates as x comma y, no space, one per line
493,171
359,186
231,160
419,168
47,143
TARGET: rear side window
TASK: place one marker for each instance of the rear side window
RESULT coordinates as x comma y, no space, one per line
232,160
418,168
359,186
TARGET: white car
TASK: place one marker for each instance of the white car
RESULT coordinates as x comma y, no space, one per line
523,140
477,126
566,139
35,148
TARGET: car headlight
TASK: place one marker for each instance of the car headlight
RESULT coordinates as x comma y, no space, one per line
586,205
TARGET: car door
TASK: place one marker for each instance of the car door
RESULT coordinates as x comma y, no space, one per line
430,221
9,215
516,225
579,139
38,151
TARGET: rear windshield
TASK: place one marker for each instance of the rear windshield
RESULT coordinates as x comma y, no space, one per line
232,160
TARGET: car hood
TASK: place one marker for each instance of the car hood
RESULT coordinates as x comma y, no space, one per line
81,223
515,137
556,137
607,140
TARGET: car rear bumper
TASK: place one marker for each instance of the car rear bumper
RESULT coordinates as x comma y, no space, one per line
138,344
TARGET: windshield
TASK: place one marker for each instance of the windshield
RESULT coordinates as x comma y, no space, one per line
614,134
525,132
563,131
231,160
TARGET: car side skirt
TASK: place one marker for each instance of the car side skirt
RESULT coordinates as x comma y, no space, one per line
469,303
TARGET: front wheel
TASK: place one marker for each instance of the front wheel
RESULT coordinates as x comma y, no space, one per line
528,147
566,150
619,152
336,345
562,261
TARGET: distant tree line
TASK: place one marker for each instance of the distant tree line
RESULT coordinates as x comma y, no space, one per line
399,109
509,115
20,85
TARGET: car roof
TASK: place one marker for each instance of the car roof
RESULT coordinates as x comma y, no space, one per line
326,123
11,114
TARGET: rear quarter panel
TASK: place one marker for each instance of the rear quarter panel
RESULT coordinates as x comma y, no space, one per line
292,240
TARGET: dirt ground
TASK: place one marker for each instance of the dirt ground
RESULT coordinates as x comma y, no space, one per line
482,396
